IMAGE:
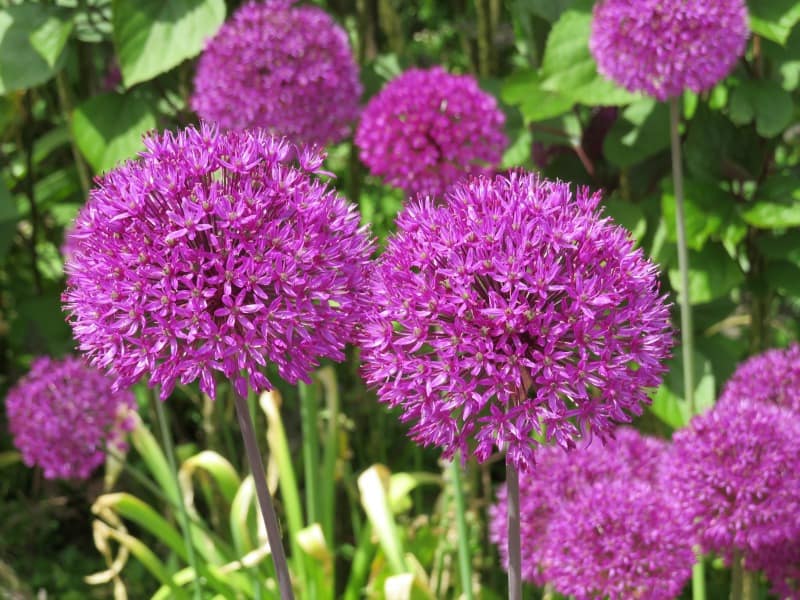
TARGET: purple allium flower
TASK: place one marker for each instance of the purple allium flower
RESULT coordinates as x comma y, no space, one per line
772,377
215,252
559,480
63,414
664,48
284,68
427,129
736,473
619,540
513,308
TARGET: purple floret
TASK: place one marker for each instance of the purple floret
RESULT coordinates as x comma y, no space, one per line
427,129
284,68
63,416
215,252
663,48
772,377
513,308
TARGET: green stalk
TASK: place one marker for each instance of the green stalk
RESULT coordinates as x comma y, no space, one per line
736,577
464,558
687,342
264,498
169,451
698,577
514,540
330,454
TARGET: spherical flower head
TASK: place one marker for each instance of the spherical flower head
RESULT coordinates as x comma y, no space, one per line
735,473
619,540
772,377
215,252
63,415
664,48
512,308
285,68
559,479
427,129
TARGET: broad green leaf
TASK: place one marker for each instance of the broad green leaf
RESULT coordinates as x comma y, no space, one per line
152,36
765,101
777,204
568,68
217,467
773,19
549,10
782,247
32,38
8,219
641,131
108,128
669,403
148,448
536,104
784,276
712,274
628,215
707,209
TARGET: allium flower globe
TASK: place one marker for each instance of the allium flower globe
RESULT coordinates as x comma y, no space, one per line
64,414
285,68
427,129
664,48
619,540
772,377
215,252
737,476
511,308
562,478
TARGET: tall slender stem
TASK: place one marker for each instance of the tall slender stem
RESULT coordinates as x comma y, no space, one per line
514,554
264,499
464,558
736,577
169,451
699,577
687,342
308,417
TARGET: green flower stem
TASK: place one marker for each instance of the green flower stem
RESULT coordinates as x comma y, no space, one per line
514,541
327,378
308,418
699,577
264,499
687,342
169,451
464,558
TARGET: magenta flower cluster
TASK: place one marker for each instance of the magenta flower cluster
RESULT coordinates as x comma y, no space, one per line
513,308
664,48
736,477
772,377
596,522
215,252
63,415
284,68
427,129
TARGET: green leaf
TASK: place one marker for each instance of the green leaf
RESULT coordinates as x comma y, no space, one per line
712,274
373,487
765,101
549,10
627,214
108,128
568,68
784,276
8,219
776,205
669,403
32,39
782,247
152,36
707,209
535,103
641,131
773,19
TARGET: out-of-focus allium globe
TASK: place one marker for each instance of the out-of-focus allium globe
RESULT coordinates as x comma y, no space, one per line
64,414
513,307
619,540
427,129
781,565
559,479
664,48
215,252
736,473
772,377
288,69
